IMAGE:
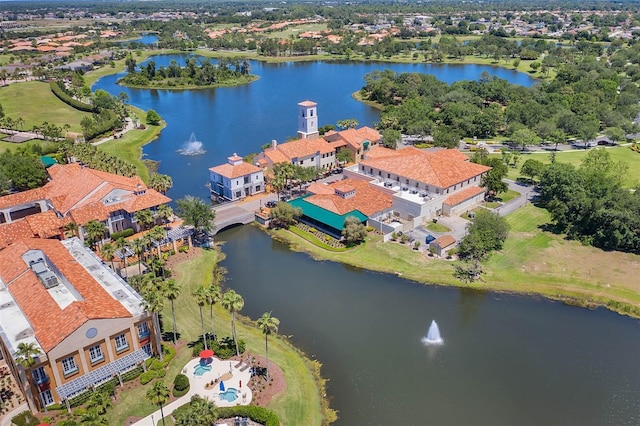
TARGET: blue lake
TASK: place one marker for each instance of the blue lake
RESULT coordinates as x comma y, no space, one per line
506,360
241,119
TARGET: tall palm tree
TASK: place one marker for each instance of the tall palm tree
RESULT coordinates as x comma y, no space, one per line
157,234
96,231
158,395
144,218
152,303
122,245
201,299
161,183
171,292
93,418
214,294
100,401
233,303
107,251
164,213
138,246
268,325
25,354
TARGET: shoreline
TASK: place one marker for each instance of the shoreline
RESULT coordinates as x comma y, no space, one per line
189,87
439,272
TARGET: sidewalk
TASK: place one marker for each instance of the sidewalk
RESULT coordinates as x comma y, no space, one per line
6,419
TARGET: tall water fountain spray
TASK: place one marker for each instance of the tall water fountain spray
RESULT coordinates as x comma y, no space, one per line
192,146
433,335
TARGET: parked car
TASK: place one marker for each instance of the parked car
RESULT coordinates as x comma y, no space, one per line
271,204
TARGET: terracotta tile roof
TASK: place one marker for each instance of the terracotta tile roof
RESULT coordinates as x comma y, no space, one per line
275,156
81,193
439,171
93,211
12,232
46,224
451,154
307,103
444,241
231,171
301,148
52,324
463,195
22,197
367,199
320,188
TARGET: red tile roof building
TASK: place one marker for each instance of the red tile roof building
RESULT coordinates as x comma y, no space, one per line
426,184
87,323
75,194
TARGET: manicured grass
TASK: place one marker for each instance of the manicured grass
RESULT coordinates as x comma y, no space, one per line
532,261
34,103
129,147
438,227
299,405
14,146
575,157
508,196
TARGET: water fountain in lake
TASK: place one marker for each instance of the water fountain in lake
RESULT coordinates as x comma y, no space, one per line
433,335
192,146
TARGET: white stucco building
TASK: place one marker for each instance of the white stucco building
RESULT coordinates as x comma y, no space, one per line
236,179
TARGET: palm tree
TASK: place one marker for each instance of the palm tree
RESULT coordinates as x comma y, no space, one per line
214,294
138,246
107,251
123,246
153,303
201,298
199,412
164,213
25,354
159,395
95,231
171,292
71,227
99,401
157,234
161,183
93,418
268,324
233,303
144,218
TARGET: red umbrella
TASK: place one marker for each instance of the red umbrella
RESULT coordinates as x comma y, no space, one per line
207,353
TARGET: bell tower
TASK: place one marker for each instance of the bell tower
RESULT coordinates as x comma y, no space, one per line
308,120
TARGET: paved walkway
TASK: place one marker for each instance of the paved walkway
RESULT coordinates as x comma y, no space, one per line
240,374
6,419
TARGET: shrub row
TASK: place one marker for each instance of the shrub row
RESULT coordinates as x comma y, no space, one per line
106,387
148,376
180,385
122,234
224,348
64,97
257,414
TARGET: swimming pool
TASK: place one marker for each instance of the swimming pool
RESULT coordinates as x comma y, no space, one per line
200,369
229,395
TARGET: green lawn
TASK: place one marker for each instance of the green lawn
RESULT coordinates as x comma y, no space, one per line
619,153
437,227
299,405
129,147
13,146
34,103
532,261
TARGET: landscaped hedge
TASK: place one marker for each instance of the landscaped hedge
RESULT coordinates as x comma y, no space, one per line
257,414
132,374
224,348
180,385
122,234
148,376
64,97
106,387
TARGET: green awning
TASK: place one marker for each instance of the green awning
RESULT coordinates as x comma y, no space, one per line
48,161
325,216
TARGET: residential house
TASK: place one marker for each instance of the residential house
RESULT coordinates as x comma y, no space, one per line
76,194
236,179
87,324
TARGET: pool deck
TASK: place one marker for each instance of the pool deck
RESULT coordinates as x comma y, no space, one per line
239,378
